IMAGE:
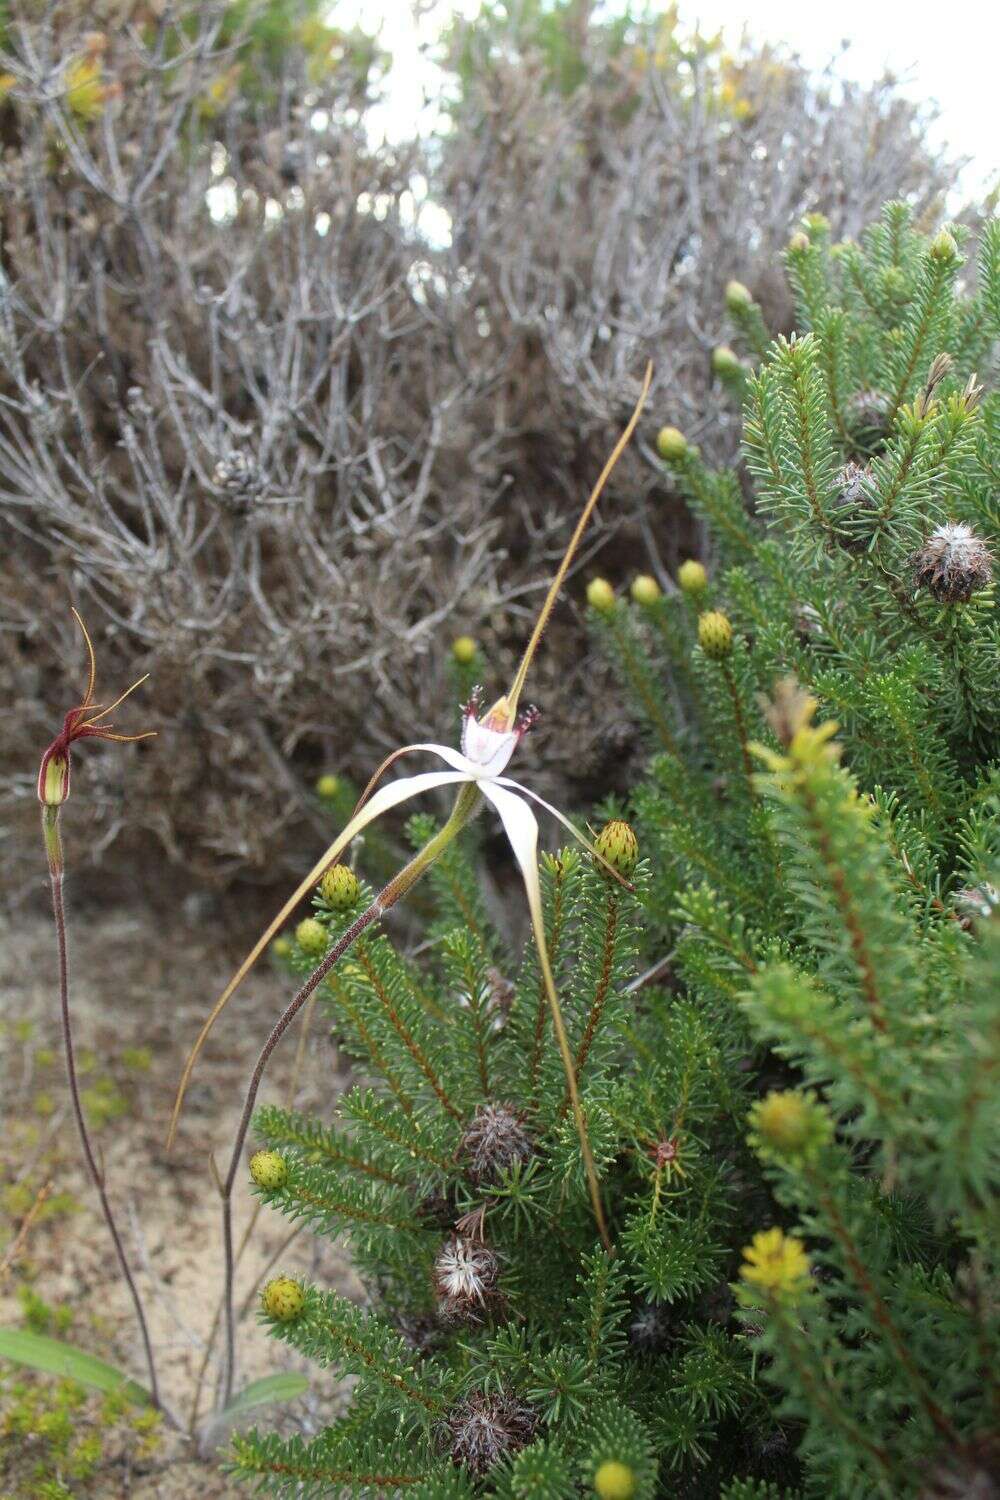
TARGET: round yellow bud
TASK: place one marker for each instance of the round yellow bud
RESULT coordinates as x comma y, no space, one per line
724,361
281,947
738,296
798,242
692,577
327,786
615,1481
943,246
816,224
463,649
283,1299
782,1120
715,635
268,1169
618,844
645,590
339,888
311,936
671,444
600,595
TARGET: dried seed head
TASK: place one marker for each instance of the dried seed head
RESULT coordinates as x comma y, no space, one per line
486,1428
494,1139
974,903
339,888
239,479
268,1170
715,635
649,1328
854,506
466,1277
953,564
283,1299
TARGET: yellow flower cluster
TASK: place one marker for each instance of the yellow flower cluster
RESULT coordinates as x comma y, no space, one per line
776,1264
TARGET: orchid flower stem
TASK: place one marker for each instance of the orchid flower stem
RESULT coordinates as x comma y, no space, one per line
53,848
387,898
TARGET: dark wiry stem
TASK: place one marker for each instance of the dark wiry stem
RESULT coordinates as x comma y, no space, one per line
50,817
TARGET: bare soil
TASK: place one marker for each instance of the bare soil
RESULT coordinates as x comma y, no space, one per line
140,985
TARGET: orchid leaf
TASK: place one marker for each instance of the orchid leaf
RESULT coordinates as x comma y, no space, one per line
53,1357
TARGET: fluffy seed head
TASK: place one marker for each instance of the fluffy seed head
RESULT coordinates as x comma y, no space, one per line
311,936
339,888
738,296
493,1140
466,1276
600,595
953,564
671,444
486,1428
614,1481
463,649
715,634
618,844
645,590
283,1299
692,577
328,785
724,361
268,1169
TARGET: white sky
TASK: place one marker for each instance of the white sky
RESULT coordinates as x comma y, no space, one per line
951,56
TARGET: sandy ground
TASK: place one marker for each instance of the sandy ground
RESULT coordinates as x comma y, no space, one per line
137,988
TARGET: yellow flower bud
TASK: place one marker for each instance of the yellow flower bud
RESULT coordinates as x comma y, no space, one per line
671,444
311,936
463,649
283,1299
775,1264
618,844
615,1481
724,361
281,947
715,635
789,1124
600,595
738,297
645,590
692,577
339,888
268,1169
328,785
798,242
943,246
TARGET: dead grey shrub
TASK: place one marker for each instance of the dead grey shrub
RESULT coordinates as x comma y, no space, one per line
279,456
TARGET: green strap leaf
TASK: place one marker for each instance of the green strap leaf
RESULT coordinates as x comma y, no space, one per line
285,1386
53,1357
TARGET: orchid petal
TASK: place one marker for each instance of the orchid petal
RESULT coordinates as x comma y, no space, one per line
381,801
521,828
446,753
525,791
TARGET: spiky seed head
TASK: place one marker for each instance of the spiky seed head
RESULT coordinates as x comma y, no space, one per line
953,564
854,505
268,1170
615,1480
600,595
311,936
494,1140
328,785
692,577
463,649
340,888
281,947
715,634
486,1428
943,247
283,1299
645,589
671,444
724,361
798,242
618,844
738,297
466,1277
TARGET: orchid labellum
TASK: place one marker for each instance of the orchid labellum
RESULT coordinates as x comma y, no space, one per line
476,771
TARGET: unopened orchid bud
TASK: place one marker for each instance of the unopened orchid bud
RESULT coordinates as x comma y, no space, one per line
738,297
618,844
463,649
268,1170
328,785
671,444
311,936
53,779
645,589
283,1299
600,595
340,888
715,635
692,577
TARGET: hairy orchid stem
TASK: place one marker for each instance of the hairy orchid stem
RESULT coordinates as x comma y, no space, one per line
53,849
397,887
